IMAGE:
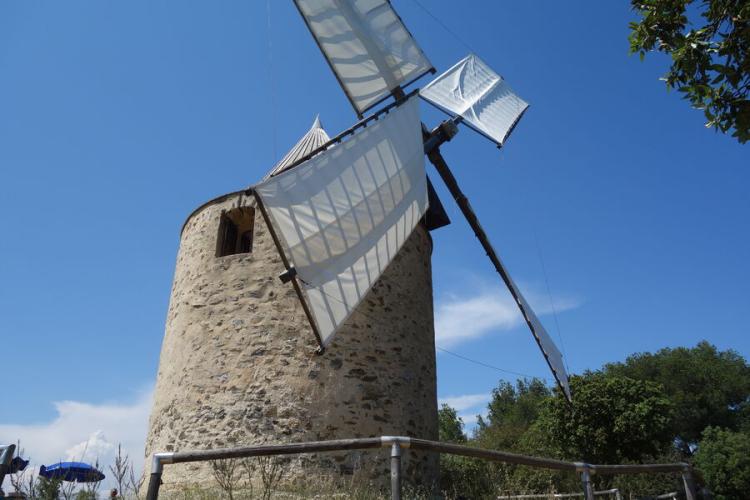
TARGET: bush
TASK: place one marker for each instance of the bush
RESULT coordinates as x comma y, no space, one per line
723,458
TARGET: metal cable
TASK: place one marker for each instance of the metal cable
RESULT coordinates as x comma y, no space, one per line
445,27
272,80
460,356
551,302
486,365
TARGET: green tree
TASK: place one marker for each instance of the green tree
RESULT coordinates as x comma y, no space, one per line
638,485
459,475
450,425
710,55
47,489
723,458
510,426
611,420
510,412
706,386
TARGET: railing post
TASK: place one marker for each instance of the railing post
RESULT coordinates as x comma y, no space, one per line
618,495
588,488
689,483
154,481
157,467
395,471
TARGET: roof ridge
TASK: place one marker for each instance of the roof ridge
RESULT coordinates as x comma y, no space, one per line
315,137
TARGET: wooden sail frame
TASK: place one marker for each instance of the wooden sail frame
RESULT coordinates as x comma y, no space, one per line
395,92
289,273
310,285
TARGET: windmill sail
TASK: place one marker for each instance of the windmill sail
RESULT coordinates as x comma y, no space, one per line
372,55
342,216
473,91
545,342
367,46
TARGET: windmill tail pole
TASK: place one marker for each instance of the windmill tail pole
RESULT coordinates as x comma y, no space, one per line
432,141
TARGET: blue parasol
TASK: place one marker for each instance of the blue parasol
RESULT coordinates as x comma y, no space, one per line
78,472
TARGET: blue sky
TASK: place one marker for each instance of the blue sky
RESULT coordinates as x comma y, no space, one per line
611,199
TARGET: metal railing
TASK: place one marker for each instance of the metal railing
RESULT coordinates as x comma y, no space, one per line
397,444
546,496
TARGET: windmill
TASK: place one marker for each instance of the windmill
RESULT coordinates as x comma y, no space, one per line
339,213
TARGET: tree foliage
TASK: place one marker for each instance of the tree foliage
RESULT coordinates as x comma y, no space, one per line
509,426
724,461
708,387
710,56
459,475
612,419
510,412
450,425
652,408
47,489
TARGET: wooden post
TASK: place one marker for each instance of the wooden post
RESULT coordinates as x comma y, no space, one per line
395,471
154,481
689,483
588,488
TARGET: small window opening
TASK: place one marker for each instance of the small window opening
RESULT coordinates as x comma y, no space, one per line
236,232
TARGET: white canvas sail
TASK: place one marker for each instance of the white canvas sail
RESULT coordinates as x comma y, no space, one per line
342,216
545,342
367,46
473,91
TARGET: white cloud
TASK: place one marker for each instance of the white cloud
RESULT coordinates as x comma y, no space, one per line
96,447
85,432
461,318
470,420
466,401
468,407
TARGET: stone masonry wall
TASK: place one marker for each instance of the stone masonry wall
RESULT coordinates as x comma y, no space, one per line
238,365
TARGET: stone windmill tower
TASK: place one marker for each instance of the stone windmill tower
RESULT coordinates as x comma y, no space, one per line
345,221
238,365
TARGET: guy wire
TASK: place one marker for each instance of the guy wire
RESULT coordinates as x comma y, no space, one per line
551,301
445,27
460,356
272,79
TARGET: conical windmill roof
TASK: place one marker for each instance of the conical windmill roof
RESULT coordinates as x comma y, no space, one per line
312,140
436,216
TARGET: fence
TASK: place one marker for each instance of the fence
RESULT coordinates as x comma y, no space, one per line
547,496
398,443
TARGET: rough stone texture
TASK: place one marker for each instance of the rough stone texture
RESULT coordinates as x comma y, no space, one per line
238,365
